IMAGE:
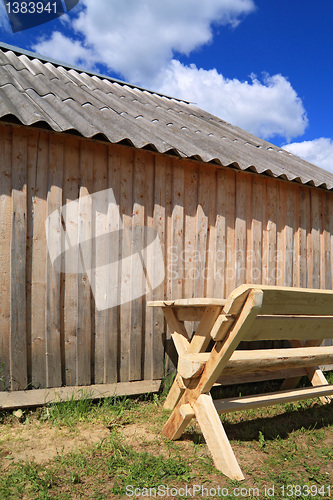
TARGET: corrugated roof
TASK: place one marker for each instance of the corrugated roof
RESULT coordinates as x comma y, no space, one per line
35,91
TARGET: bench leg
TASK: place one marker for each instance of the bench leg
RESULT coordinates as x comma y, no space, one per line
216,438
178,421
175,393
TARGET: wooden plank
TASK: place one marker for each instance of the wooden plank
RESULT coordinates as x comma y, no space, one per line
178,331
254,262
304,232
190,233
325,267
280,237
230,211
315,233
292,236
190,303
243,214
191,365
137,272
277,359
5,252
248,378
269,237
288,327
169,250
84,339
53,284
38,160
18,338
221,230
100,255
112,333
189,313
126,210
40,397
71,190
216,438
297,301
270,399
159,224
204,193
177,278
211,249
151,270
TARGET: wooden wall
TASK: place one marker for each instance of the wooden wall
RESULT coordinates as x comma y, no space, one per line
218,228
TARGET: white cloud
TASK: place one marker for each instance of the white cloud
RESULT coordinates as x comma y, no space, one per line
137,38
319,152
67,50
266,108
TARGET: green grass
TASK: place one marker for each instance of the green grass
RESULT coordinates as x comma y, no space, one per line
282,445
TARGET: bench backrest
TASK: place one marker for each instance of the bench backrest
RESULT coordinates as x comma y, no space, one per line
286,313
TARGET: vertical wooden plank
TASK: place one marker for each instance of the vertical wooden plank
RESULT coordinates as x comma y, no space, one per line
18,340
159,224
315,233
230,211
254,245
220,264
170,257
210,269
100,252
291,207
140,188
243,214
112,333
281,230
83,367
71,190
270,236
330,228
5,252
204,193
38,156
325,271
304,229
170,253
148,331
190,232
126,206
53,303
178,229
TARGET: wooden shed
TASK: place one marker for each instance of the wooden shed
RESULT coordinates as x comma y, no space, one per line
228,208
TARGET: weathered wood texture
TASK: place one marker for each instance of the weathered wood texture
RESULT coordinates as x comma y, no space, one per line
218,228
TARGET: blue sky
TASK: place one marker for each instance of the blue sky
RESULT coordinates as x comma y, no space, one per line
263,65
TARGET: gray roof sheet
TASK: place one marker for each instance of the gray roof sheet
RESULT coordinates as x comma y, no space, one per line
38,91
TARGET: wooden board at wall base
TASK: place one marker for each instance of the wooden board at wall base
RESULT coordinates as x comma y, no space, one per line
39,397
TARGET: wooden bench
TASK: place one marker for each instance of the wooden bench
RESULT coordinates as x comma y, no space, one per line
251,313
